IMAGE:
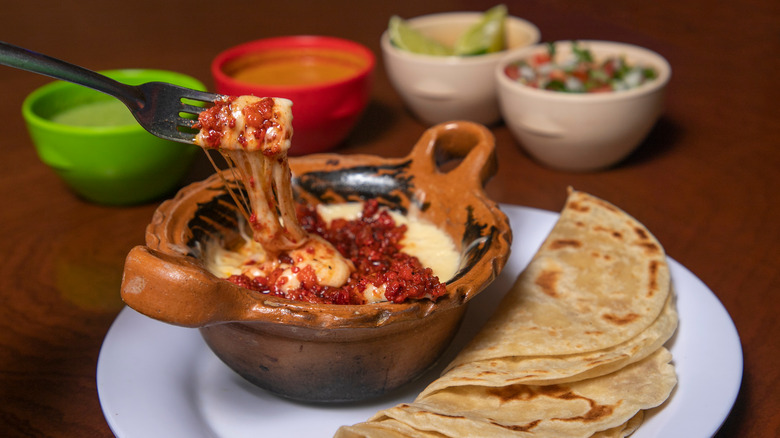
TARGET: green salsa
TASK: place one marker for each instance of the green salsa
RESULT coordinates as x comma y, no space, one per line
99,113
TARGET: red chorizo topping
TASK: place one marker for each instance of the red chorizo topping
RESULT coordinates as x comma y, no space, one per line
260,116
214,121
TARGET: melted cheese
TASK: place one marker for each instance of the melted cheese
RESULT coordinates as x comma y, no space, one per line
253,134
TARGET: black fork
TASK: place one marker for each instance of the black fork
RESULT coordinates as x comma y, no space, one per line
163,109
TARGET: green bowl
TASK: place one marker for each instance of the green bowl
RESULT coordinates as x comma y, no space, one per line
93,143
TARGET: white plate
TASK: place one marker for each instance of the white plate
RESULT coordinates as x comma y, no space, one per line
158,380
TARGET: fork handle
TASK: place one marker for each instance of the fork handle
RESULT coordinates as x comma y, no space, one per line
21,58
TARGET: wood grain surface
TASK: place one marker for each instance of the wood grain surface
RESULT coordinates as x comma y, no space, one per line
705,181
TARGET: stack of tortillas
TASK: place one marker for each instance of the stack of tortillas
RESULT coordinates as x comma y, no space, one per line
575,348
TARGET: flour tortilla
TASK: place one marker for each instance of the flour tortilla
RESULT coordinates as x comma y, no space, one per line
385,427
547,370
599,279
624,429
577,409
575,349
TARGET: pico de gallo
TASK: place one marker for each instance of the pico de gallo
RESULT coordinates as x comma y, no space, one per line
580,73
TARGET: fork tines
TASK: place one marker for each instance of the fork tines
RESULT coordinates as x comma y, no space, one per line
192,103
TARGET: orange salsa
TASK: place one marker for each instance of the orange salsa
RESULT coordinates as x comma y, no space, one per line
304,66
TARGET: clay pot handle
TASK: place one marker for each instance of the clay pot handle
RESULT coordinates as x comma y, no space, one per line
471,142
176,290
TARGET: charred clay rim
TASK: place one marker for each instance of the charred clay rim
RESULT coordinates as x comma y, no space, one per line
217,218
452,200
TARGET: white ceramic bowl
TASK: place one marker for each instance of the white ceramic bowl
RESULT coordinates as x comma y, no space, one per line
582,131
443,88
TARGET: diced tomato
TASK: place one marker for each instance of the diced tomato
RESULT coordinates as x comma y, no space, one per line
558,75
581,74
609,68
540,58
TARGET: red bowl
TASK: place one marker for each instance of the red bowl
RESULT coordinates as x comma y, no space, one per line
328,80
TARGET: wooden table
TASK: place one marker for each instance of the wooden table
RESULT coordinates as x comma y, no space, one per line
705,181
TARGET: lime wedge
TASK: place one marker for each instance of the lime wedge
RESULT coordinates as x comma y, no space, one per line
406,38
486,36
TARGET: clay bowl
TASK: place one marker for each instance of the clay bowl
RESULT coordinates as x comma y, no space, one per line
316,352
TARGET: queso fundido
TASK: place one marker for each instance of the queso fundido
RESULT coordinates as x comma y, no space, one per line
387,263
293,252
